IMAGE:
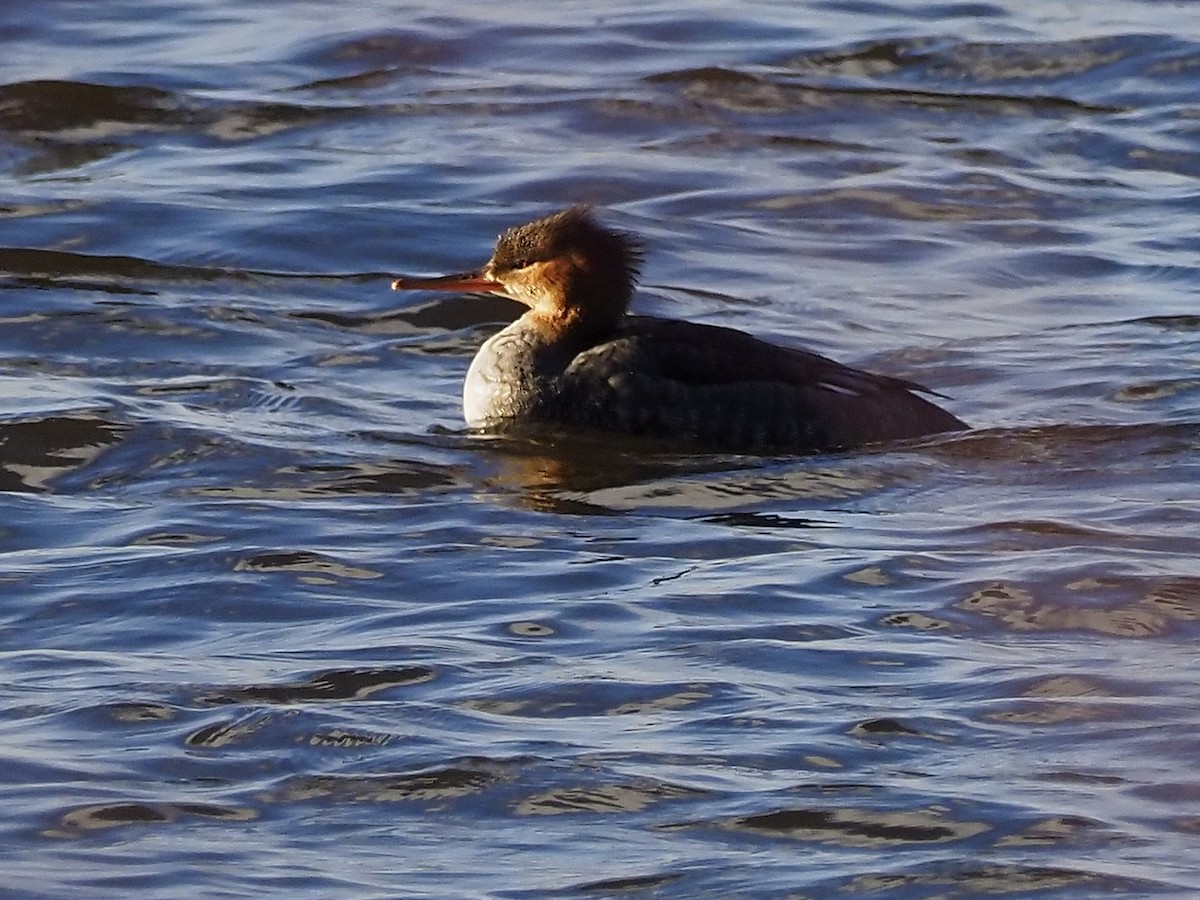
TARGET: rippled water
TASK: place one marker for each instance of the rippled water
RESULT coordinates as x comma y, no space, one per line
273,622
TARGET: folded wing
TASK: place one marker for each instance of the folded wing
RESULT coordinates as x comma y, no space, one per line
726,389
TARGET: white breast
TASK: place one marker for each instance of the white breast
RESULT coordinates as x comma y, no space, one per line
481,388
501,384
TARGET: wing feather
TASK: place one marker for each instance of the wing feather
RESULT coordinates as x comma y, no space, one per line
723,387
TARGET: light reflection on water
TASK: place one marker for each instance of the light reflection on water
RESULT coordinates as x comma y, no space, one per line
273,621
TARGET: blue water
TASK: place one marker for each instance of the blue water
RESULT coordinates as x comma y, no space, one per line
273,622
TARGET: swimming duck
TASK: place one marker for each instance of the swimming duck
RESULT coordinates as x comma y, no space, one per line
577,358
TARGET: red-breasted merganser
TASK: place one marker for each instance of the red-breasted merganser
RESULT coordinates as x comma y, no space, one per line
577,358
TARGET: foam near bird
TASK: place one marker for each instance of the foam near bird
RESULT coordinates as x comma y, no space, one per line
577,358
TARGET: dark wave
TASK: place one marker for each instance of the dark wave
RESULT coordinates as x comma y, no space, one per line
780,91
33,267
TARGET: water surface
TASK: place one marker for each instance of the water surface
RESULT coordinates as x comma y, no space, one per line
274,622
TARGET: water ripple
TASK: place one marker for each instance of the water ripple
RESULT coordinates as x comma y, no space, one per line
276,621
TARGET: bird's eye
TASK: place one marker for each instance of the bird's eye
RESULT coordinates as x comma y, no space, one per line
520,262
